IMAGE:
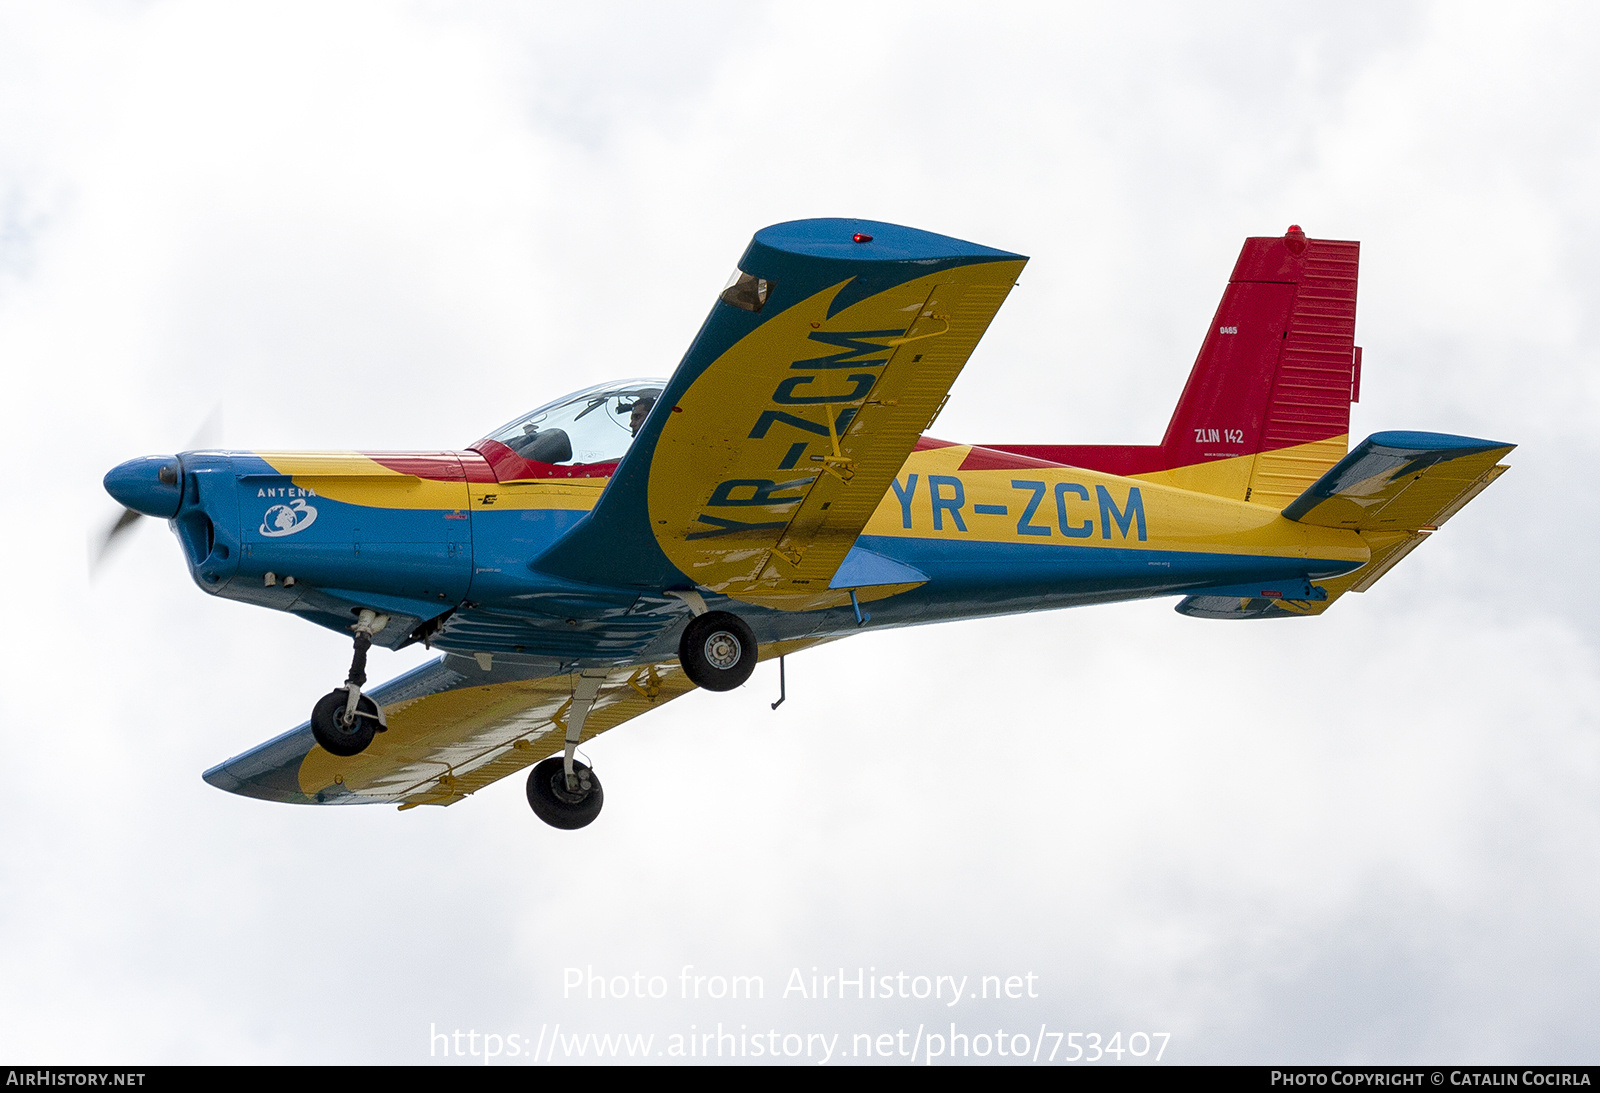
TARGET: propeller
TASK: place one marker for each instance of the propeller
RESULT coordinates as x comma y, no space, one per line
102,543
147,487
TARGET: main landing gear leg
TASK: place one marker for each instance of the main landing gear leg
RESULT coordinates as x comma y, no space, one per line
563,792
344,721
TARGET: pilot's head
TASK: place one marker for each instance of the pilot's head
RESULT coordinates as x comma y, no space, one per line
641,410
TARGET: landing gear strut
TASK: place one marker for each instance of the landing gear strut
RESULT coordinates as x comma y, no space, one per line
344,720
563,792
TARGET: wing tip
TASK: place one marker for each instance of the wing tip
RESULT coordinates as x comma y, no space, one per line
836,237
270,772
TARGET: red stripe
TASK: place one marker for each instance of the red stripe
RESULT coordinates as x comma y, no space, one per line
508,466
466,466
477,467
1002,459
434,466
1123,459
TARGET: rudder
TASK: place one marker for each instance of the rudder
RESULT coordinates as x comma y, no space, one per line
1266,409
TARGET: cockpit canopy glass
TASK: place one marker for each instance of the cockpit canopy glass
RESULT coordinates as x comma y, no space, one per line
595,425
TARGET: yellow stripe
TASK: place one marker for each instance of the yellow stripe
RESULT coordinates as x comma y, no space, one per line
356,479
578,494
1175,519
1264,479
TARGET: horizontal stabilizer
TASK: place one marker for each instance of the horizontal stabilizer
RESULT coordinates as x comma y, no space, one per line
1248,602
1395,489
1400,481
1240,607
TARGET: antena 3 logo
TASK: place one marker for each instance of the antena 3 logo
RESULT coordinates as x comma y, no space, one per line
288,518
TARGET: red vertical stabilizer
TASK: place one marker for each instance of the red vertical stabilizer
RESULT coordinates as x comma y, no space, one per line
1275,372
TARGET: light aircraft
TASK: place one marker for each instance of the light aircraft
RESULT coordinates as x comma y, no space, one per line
621,546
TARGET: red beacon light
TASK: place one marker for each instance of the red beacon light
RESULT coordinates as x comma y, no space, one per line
861,237
1295,239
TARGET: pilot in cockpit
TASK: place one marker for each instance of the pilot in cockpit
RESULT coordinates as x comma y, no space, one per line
592,426
640,411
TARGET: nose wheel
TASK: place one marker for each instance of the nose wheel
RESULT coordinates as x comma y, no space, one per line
344,720
337,731
558,805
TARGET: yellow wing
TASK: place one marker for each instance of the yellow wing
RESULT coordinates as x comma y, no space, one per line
785,446
781,432
449,735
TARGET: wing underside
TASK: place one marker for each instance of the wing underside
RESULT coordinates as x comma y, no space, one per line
453,729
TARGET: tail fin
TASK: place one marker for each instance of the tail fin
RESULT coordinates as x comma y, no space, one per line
1266,410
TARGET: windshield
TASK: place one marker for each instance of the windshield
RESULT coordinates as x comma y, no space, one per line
595,425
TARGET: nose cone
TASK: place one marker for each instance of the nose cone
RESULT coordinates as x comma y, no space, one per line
151,485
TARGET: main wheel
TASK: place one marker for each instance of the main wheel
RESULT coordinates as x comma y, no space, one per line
717,651
327,723
559,806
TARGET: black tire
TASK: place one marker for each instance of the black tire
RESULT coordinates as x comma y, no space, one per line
717,651
337,738
558,806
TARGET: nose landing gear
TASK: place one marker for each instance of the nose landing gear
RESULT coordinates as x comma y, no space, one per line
344,720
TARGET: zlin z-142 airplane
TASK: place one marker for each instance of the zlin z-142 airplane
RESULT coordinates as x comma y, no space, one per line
619,547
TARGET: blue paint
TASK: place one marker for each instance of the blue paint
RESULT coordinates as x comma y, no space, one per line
1124,519
504,540
1068,528
785,394
769,418
1396,438
763,492
137,484
1292,589
966,573
1025,526
720,526
941,504
905,495
855,350
864,568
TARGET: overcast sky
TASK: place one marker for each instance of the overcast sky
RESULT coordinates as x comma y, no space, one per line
1372,836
